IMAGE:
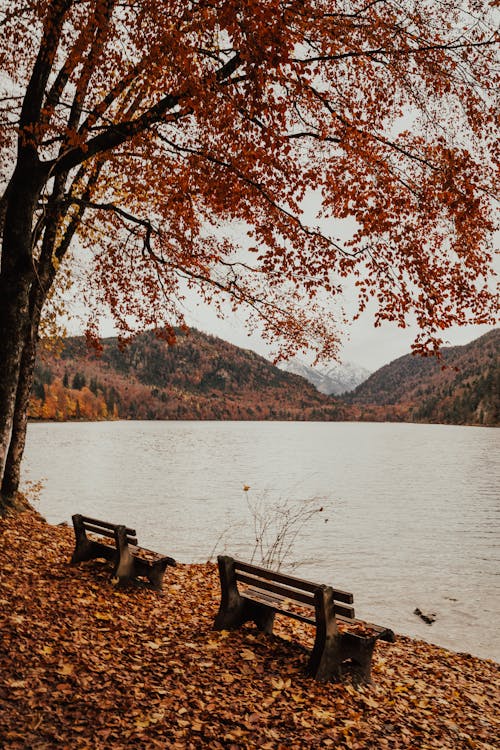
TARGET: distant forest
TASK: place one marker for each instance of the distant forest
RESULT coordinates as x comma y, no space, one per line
200,377
463,387
203,377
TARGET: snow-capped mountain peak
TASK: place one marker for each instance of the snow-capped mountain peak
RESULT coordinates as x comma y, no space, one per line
335,378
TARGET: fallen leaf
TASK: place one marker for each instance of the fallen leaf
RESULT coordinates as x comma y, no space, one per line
103,616
247,654
66,669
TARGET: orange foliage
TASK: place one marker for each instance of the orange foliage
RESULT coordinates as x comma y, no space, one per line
62,403
212,146
162,123
201,377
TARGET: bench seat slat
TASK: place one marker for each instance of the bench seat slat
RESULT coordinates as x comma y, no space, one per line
385,634
268,597
342,611
155,556
275,603
342,596
107,551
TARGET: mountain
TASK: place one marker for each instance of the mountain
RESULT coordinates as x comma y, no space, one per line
203,377
462,388
200,377
334,380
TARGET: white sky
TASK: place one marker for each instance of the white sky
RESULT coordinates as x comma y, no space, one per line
363,343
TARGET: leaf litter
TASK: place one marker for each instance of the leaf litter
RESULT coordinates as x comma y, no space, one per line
85,666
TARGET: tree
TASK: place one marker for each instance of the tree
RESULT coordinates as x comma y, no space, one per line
78,381
145,130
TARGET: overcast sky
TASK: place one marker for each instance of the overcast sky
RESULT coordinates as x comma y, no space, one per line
363,343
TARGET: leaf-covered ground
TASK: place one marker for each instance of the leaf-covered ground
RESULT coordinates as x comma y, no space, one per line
83,665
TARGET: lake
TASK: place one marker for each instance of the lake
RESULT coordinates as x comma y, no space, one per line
410,512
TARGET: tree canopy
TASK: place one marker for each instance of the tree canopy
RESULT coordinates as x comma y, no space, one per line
141,132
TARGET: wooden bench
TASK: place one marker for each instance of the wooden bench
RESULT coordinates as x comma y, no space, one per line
252,593
129,560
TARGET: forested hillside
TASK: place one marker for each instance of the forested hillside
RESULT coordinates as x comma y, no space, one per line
200,377
462,388
204,377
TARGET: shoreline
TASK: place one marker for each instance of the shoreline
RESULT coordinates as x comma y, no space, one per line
34,420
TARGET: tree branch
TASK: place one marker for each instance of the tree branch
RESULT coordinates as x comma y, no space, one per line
35,89
117,134
261,190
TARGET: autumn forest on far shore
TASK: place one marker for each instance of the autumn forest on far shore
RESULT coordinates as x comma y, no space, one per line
203,377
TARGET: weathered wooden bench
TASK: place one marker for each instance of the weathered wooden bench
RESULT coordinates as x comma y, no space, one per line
249,592
129,560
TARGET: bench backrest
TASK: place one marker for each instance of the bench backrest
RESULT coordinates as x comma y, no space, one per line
295,589
104,528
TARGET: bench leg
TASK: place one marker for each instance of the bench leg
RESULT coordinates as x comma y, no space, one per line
261,615
83,546
234,609
325,662
359,649
153,571
232,606
124,569
155,574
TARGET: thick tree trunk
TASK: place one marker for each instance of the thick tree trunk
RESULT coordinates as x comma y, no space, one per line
19,234
14,326
45,276
12,471
16,278
43,279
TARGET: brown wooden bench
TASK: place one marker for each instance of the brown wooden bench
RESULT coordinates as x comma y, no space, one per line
129,560
249,592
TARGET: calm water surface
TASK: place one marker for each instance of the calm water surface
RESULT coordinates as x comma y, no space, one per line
410,513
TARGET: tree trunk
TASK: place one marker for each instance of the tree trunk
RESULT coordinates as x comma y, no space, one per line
16,278
14,326
12,471
46,273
